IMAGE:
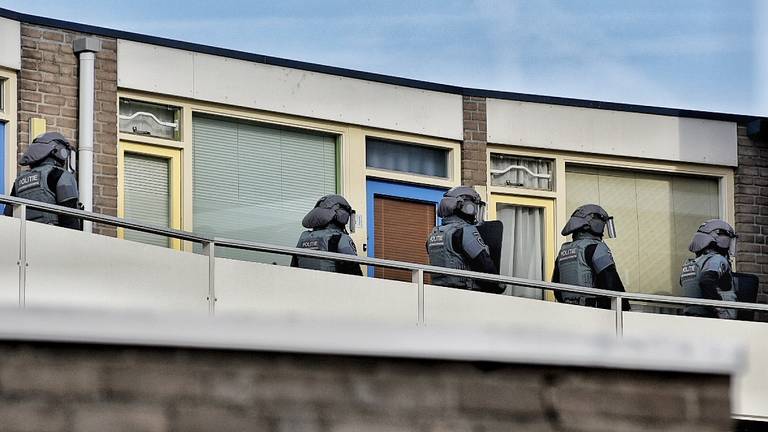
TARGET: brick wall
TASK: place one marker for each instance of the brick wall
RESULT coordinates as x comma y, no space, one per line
58,387
473,149
751,202
48,88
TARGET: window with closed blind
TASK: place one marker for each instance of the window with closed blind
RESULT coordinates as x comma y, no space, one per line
147,195
655,216
256,182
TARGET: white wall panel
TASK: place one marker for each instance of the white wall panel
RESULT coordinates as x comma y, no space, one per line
10,48
246,288
73,269
471,308
9,256
616,133
291,91
155,69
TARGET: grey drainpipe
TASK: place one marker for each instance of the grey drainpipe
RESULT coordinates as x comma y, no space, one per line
86,48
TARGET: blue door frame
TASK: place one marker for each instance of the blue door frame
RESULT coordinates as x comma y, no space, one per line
395,190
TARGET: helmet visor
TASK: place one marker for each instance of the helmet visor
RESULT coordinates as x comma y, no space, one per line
610,228
352,221
480,216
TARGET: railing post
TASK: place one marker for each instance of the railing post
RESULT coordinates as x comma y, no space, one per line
616,305
209,248
20,211
417,276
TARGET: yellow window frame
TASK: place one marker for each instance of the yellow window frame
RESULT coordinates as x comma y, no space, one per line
9,117
174,158
548,204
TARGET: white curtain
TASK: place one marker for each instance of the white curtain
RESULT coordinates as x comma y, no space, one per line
522,251
520,177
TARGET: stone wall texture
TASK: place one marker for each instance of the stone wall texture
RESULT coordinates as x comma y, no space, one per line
67,387
48,89
751,201
473,149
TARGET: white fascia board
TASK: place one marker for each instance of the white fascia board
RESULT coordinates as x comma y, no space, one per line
505,345
10,48
285,90
617,133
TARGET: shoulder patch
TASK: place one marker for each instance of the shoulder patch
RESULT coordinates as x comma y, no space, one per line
479,238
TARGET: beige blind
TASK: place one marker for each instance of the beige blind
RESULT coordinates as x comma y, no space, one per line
147,195
655,215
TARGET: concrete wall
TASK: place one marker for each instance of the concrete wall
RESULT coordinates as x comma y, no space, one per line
66,387
290,91
48,89
10,49
614,133
106,274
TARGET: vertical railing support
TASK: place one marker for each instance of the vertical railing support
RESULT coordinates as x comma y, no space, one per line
20,211
209,248
417,276
616,305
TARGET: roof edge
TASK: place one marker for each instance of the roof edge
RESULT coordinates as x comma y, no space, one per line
372,76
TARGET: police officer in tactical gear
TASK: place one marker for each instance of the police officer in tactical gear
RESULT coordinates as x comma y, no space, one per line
709,274
326,231
49,179
456,243
586,260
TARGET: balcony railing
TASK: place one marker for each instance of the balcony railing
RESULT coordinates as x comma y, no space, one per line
210,244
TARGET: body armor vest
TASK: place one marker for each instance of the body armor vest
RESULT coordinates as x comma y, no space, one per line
33,185
442,254
690,278
323,240
574,270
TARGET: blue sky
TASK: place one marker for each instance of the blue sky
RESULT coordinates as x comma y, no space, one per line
704,54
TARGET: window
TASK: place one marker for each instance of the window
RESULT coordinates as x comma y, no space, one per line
655,215
408,158
256,182
147,195
522,172
149,119
527,249
150,178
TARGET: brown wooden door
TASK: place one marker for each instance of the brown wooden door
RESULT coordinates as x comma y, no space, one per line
400,233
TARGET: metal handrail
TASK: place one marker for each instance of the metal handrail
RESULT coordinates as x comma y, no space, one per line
530,283
378,262
106,219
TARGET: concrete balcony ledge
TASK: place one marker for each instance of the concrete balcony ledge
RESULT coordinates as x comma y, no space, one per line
512,345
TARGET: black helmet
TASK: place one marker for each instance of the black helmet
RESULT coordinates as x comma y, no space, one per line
49,144
462,201
330,208
592,218
717,232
